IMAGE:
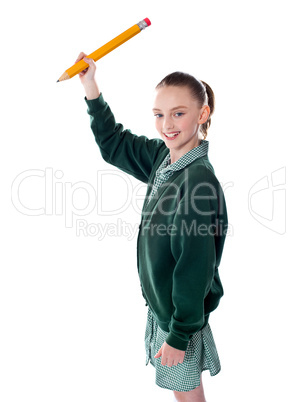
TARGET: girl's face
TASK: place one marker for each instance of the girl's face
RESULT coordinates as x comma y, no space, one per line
176,111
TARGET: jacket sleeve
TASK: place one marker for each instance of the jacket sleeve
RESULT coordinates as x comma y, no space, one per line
129,152
193,248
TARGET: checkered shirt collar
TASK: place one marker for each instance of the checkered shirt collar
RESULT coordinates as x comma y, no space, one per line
190,156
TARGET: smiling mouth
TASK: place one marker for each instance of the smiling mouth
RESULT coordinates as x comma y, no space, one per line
172,135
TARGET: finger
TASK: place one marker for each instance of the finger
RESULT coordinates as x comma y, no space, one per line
164,361
89,61
83,72
80,56
158,354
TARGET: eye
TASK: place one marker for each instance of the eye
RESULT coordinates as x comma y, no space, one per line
178,113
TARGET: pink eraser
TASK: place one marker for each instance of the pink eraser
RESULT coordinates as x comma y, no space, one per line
148,21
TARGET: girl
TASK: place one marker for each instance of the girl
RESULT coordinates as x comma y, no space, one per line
183,224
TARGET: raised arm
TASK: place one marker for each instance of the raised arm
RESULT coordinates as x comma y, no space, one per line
120,147
129,152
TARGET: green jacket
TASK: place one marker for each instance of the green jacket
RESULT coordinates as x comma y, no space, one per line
182,230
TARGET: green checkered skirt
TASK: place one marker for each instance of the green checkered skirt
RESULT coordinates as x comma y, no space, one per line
201,354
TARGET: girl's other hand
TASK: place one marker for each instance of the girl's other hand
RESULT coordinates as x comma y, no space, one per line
169,355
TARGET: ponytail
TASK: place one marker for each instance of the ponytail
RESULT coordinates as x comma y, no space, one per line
211,103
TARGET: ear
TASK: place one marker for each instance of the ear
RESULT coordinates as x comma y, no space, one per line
204,114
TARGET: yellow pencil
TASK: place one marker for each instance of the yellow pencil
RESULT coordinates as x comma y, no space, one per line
103,50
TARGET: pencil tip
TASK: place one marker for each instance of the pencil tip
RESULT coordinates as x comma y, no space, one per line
58,81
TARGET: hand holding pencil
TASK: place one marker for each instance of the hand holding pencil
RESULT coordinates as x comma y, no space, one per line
87,77
89,73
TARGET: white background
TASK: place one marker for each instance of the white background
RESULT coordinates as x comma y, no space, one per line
72,315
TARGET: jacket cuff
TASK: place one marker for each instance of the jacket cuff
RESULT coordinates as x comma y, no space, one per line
95,104
176,342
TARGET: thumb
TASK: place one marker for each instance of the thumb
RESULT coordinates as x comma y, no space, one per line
88,60
159,353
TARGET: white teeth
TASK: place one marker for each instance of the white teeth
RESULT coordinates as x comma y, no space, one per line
172,135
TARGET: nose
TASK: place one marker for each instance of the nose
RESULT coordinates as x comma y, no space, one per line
167,123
